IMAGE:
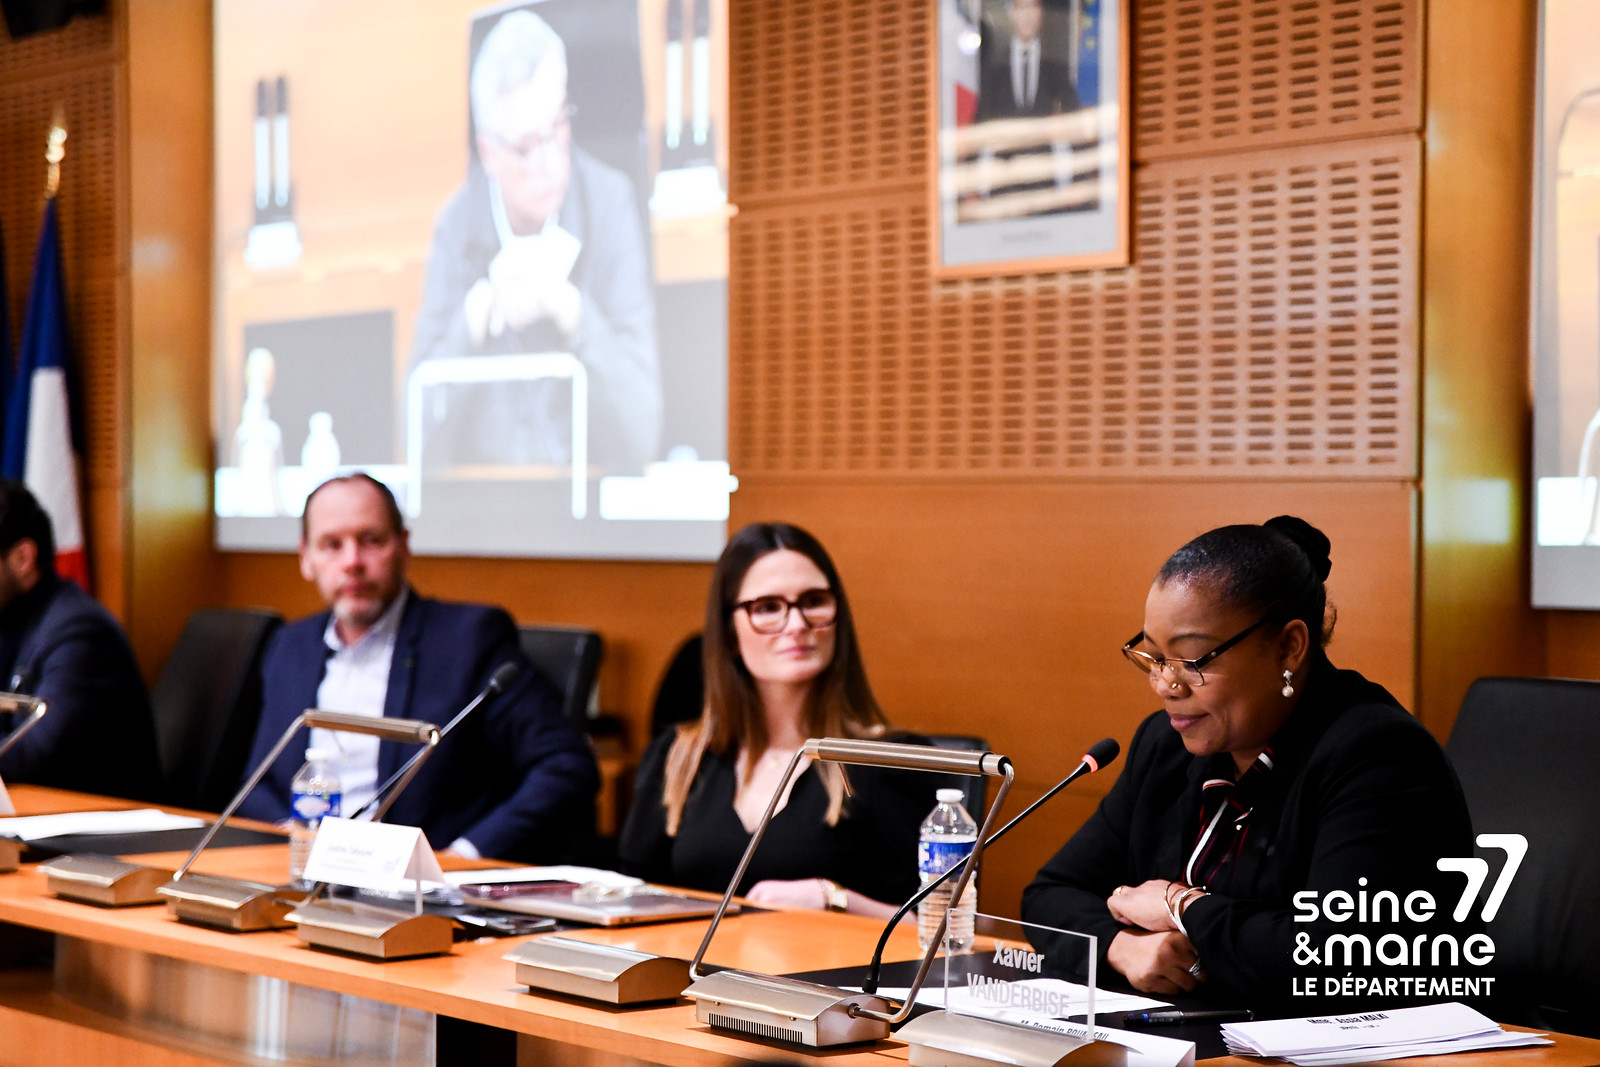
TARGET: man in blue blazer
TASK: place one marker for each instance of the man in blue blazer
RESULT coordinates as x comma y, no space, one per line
513,780
57,642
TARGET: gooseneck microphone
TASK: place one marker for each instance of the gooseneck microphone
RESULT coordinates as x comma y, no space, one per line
502,677
1100,754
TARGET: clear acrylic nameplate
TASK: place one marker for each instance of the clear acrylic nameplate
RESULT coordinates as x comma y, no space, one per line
1005,999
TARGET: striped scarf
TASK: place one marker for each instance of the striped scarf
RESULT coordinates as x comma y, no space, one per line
1225,807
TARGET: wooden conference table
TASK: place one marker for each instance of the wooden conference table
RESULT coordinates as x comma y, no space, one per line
132,986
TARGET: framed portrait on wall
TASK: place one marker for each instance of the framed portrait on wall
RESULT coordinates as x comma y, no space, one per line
1030,145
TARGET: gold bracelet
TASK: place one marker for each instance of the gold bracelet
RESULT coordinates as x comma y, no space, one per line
834,896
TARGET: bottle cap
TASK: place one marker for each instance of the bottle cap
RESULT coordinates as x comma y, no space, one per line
951,796
319,755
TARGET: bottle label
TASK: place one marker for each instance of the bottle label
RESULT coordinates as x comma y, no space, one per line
936,857
313,807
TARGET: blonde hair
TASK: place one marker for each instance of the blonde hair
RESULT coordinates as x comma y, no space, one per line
840,703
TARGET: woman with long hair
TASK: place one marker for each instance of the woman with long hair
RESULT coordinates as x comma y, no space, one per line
781,666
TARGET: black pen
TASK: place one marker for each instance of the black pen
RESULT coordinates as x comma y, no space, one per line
1176,1018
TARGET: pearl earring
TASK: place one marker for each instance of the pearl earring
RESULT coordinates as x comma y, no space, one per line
1288,684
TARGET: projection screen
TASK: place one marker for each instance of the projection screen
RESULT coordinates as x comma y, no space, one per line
480,253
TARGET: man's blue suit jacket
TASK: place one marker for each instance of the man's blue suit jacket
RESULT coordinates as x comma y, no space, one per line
99,736
514,778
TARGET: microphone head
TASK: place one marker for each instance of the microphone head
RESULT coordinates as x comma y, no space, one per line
507,672
1102,753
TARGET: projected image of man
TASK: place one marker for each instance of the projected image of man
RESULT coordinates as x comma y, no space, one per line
541,250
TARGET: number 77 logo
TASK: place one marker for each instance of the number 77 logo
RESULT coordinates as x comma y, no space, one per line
1515,846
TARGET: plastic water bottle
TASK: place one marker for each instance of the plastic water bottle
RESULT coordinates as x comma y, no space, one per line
315,793
948,837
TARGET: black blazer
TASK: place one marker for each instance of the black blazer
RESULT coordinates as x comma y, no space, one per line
1360,790
99,736
1053,95
514,777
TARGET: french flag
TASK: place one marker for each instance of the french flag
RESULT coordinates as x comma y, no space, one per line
39,441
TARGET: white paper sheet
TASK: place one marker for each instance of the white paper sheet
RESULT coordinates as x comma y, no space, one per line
581,875
1499,1039
1358,1030
136,821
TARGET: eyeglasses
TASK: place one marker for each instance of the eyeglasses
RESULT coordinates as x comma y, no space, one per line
1187,671
541,149
770,614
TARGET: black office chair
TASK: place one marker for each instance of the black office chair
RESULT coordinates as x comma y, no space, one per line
207,702
1525,750
681,693
569,659
975,788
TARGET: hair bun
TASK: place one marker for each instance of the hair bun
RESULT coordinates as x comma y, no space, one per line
1310,540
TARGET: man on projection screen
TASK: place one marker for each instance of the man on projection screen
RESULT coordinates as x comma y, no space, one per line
541,250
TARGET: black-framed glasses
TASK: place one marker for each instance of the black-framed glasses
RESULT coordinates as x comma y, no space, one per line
1188,671
819,608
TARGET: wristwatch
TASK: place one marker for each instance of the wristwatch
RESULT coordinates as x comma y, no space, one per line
834,896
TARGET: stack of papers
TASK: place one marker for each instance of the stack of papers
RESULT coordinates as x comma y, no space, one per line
137,821
1325,1040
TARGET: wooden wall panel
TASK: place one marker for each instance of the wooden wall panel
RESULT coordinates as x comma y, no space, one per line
1231,75
1268,329
1571,642
172,567
1475,617
998,609
826,96
833,95
79,69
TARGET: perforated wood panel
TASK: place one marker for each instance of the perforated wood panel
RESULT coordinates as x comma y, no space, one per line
826,95
1225,75
1267,329
834,94
77,68
1218,75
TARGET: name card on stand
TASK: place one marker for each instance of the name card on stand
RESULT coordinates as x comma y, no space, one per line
372,855
381,857
239,906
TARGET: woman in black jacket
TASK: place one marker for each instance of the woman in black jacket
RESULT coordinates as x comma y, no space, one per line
1271,789
782,666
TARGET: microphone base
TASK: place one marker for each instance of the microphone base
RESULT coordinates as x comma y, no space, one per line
372,931
784,1009
945,1039
103,880
605,973
230,904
